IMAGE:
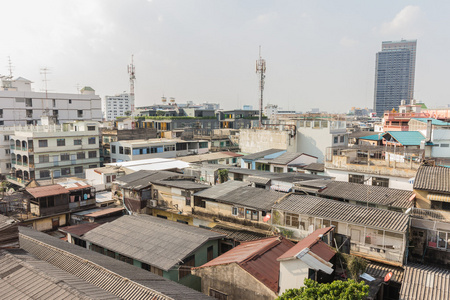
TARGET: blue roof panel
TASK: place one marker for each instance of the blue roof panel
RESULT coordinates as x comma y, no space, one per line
406,138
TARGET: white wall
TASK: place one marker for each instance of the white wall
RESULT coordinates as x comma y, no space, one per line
292,274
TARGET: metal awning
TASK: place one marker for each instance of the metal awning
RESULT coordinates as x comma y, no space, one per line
281,188
438,197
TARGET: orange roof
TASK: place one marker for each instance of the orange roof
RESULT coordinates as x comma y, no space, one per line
47,190
314,243
259,258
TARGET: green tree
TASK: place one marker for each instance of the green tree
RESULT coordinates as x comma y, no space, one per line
223,175
160,113
336,290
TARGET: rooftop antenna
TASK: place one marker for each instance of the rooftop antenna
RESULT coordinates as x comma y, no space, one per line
10,67
131,71
261,69
45,71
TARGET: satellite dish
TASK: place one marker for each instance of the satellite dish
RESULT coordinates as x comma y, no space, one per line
388,277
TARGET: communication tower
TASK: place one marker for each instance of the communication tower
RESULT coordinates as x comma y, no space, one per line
131,71
261,70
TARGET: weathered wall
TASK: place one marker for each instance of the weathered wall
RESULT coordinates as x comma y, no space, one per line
421,199
255,140
233,281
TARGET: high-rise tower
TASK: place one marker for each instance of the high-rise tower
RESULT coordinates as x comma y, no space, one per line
394,74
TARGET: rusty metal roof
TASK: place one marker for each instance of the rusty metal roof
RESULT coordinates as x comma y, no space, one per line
314,243
259,258
47,190
79,229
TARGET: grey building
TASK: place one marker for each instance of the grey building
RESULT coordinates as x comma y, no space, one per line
394,74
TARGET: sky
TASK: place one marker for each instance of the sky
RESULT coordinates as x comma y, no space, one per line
319,54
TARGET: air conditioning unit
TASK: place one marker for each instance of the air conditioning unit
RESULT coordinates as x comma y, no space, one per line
153,203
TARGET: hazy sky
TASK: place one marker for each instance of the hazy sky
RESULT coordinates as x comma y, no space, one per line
319,53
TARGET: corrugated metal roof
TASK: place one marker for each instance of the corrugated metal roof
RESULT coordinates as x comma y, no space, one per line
319,167
285,158
79,229
119,278
240,235
246,196
310,242
257,179
406,138
380,270
259,258
373,137
221,189
433,121
368,193
145,178
104,212
47,190
341,211
155,241
425,283
208,156
182,184
22,276
436,179
262,154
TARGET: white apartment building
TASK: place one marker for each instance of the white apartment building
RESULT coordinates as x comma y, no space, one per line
50,150
155,148
22,106
116,106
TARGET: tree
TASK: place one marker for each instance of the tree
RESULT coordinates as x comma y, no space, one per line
336,290
160,113
223,175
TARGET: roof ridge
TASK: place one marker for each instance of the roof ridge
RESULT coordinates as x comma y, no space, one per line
263,250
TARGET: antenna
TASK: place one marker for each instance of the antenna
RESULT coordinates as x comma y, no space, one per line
10,67
45,71
261,69
78,87
131,71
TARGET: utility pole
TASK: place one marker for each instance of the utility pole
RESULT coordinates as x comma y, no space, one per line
261,69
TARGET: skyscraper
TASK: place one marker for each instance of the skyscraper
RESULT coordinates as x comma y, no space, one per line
394,74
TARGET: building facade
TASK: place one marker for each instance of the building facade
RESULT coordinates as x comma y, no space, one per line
116,106
394,74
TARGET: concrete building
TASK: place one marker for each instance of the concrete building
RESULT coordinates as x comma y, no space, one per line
22,106
116,106
394,74
155,148
52,151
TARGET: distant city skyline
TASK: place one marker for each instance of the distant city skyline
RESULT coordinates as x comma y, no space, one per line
319,54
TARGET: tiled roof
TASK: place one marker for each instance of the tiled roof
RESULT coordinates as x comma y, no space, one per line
368,193
23,276
341,211
240,235
47,190
221,189
259,258
152,240
116,277
406,138
435,179
425,282
314,243
261,154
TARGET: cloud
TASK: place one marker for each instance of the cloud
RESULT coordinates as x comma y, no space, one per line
348,42
405,22
265,18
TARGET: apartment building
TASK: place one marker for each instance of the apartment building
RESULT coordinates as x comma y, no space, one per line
116,106
51,151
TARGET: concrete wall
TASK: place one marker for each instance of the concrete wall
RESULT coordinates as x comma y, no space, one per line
256,140
233,281
45,224
292,274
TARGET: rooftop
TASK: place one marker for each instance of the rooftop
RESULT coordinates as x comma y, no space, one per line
433,121
341,211
406,138
259,258
47,190
286,158
208,157
155,241
369,193
152,164
262,154
434,179
425,282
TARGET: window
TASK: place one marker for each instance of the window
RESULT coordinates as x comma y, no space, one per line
55,113
218,295
92,166
342,139
209,253
54,102
44,174
127,151
234,211
336,139
92,154
181,146
91,140
77,142
1,113
44,158
91,128
292,220
356,178
8,165
80,113
70,101
7,151
6,137
78,170
120,150
379,181
203,145
60,142
65,156
81,155
29,102
43,143
113,149
65,171
445,145
108,179
185,268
